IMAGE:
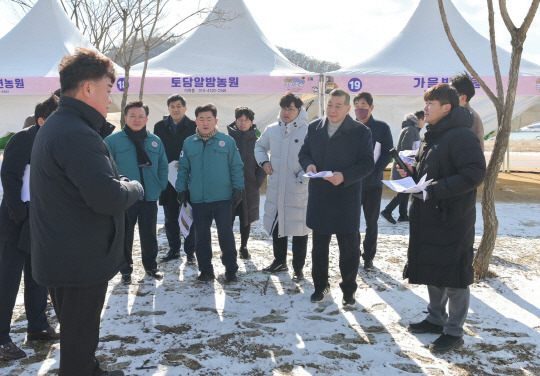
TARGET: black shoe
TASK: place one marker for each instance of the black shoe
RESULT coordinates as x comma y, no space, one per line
171,255
47,334
230,277
100,372
11,351
276,267
349,300
205,277
320,294
446,343
425,326
154,274
368,264
244,253
403,219
298,276
126,279
191,260
388,217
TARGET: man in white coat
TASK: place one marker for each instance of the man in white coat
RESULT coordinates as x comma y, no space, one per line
287,193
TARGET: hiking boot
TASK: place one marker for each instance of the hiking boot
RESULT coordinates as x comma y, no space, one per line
403,219
368,264
230,277
154,273
126,279
320,294
171,255
446,343
276,267
11,351
298,276
349,300
46,334
244,253
205,277
388,217
191,260
425,326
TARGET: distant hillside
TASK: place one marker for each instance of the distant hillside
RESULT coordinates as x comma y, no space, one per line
308,63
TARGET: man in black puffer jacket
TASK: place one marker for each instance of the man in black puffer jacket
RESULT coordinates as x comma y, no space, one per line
77,220
441,239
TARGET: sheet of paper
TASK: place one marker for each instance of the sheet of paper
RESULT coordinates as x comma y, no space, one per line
408,185
25,191
173,172
416,145
1,188
408,156
322,174
377,151
185,219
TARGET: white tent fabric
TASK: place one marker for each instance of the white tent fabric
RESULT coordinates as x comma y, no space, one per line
421,56
234,50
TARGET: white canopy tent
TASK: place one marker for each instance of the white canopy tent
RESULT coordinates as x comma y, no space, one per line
421,56
230,65
31,53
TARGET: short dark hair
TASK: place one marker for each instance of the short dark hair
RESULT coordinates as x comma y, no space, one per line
137,104
464,85
420,114
289,98
46,108
241,111
443,93
205,108
83,65
364,95
174,98
341,93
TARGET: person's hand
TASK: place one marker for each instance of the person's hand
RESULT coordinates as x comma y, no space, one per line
176,165
181,197
267,167
337,179
311,168
236,197
140,188
420,195
402,172
19,214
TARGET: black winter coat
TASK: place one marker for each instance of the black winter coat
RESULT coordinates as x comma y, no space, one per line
77,220
173,143
380,132
254,174
336,209
13,211
442,228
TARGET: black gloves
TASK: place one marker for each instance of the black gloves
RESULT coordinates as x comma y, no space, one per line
181,198
19,214
236,197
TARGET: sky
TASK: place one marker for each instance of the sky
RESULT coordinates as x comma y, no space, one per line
345,31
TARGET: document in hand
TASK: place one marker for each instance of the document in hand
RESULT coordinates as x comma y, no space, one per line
25,191
408,156
322,174
408,185
173,172
185,219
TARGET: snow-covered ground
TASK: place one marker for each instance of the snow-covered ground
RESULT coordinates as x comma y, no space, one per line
266,324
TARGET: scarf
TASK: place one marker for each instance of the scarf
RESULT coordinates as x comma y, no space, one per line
138,139
206,137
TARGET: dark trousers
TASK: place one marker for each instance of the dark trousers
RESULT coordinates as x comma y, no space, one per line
349,260
145,213
371,205
401,200
172,230
203,213
244,230
299,249
78,310
12,263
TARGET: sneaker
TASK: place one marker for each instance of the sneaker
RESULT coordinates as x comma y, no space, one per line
368,264
446,343
11,351
126,279
154,274
425,326
191,260
388,217
205,277
171,255
349,300
46,334
403,219
319,295
298,276
276,267
244,253
230,277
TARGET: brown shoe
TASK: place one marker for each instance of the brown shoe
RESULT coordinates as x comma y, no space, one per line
11,351
47,334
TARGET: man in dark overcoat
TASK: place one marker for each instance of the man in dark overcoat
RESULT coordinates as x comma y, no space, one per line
442,223
339,144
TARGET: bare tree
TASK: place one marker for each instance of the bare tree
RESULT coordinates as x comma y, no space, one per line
504,105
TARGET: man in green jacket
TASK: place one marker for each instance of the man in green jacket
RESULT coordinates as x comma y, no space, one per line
140,155
210,167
